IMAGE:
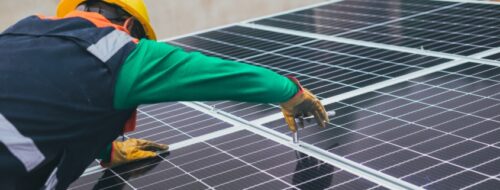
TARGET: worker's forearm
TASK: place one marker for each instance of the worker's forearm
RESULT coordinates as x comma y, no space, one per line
157,72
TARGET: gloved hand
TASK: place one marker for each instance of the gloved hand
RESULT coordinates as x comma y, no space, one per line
133,150
304,103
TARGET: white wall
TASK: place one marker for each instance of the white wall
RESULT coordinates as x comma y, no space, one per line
169,17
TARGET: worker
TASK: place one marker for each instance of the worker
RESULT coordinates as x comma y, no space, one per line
70,86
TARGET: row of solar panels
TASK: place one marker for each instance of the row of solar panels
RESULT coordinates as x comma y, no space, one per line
436,130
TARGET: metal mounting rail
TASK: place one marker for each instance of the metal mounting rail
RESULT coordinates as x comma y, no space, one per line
311,150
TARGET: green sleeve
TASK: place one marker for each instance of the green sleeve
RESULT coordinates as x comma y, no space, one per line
158,72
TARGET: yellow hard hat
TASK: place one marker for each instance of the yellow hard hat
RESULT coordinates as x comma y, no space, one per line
136,8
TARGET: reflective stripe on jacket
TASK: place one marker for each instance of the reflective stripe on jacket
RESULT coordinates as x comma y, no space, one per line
57,79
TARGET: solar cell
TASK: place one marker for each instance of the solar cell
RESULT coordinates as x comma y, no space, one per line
430,131
235,161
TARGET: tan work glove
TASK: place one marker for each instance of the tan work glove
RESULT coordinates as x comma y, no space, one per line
133,150
304,103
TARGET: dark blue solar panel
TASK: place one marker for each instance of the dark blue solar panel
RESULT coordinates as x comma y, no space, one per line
430,131
458,28
344,16
235,161
327,68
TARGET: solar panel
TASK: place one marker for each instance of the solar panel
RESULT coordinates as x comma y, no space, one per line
326,68
406,118
256,163
458,28
432,131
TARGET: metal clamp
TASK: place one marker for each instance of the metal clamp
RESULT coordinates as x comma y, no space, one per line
300,121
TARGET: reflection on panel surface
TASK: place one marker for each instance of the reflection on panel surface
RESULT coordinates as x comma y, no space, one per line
458,28
432,131
235,161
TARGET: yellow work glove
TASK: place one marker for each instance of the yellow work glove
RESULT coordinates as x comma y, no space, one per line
133,150
305,104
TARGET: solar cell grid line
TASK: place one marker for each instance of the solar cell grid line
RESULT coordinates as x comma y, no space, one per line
269,156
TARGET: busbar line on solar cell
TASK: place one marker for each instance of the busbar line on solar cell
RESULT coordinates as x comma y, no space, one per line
310,150
471,58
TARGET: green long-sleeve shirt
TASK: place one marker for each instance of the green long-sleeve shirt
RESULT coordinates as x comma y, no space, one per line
158,72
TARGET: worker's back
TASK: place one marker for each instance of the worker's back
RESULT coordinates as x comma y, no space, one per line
57,88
